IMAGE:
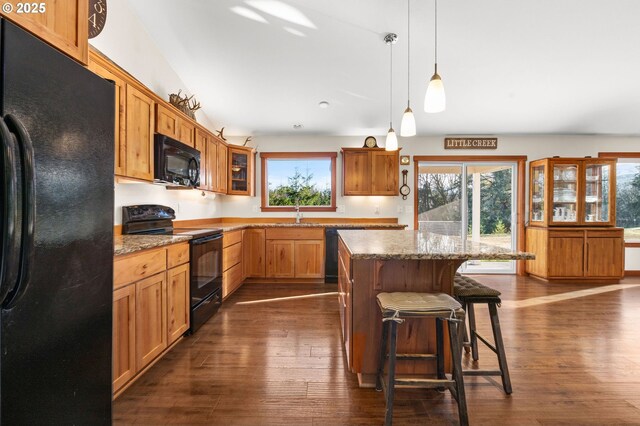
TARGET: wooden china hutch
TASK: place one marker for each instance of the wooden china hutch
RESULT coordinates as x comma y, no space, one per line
572,216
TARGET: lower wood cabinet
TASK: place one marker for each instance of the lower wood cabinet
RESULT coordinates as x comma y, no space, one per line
124,335
232,275
253,258
576,253
294,253
151,331
150,308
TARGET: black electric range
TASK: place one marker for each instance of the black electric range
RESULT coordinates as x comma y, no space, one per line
205,255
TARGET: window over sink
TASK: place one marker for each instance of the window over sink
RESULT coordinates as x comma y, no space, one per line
305,179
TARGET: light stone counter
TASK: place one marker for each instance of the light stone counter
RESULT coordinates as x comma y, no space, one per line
124,244
417,245
227,227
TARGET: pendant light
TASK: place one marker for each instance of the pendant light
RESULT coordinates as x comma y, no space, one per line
434,100
408,124
391,144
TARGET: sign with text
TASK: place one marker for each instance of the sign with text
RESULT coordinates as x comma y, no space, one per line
470,143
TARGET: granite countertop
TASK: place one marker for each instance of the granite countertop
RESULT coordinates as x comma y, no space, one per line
226,227
124,244
416,245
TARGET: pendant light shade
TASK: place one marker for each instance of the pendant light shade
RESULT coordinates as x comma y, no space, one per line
408,124
391,144
434,99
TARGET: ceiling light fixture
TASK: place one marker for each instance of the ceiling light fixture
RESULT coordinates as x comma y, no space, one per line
391,144
408,124
323,104
434,100
297,126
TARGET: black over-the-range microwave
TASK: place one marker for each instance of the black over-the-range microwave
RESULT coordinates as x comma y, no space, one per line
176,163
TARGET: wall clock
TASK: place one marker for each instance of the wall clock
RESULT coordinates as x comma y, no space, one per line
370,142
404,189
404,160
97,16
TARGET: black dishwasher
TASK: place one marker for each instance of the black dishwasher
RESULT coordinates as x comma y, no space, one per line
331,258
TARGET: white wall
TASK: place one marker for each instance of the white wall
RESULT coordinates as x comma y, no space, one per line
125,42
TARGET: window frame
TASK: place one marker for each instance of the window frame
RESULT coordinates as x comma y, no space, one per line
264,156
617,156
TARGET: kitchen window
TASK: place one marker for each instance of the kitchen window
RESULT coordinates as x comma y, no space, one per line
307,179
627,193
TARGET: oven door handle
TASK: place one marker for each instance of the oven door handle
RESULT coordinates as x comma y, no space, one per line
199,241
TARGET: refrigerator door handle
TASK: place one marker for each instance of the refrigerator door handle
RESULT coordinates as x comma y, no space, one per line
10,243
28,208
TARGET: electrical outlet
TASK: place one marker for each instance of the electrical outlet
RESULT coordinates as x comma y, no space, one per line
340,208
376,209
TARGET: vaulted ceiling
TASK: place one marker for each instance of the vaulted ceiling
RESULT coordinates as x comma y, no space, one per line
509,67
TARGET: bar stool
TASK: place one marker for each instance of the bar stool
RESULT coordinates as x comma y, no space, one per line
397,306
470,292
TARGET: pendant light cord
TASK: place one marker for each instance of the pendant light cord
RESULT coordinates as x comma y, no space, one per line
408,51
435,26
390,84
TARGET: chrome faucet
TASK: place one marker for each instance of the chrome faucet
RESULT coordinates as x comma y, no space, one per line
298,214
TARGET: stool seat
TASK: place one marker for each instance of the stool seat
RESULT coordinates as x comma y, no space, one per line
468,287
418,304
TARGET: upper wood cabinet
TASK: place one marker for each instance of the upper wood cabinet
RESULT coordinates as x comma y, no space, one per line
223,152
201,144
139,134
170,122
369,171
572,192
108,71
63,24
241,170
213,166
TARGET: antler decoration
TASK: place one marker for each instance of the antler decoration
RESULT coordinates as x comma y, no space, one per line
221,134
186,104
246,141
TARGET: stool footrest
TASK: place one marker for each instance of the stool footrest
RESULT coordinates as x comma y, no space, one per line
486,342
416,356
482,372
424,383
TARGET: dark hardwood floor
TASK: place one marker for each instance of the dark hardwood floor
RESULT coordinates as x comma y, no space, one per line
573,353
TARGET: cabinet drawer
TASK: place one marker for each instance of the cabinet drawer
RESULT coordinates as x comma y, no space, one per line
177,254
566,234
231,279
231,256
230,238
609,233
136,267
294,234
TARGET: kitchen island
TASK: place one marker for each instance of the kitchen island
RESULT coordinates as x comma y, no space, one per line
373,261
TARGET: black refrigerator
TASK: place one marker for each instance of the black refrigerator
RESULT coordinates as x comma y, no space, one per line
56,269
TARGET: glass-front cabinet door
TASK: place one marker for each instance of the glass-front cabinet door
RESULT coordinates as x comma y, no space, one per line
597,193
537,209
564,207
572,192
240,171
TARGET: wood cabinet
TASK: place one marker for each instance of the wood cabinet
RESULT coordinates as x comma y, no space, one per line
280,258
124,335
62,24
151,308
576,253
254,259
107,71
241,170
151,334
170,122
572,192
139,134
178,302
201,144
232,275
222,167
369,171
294,253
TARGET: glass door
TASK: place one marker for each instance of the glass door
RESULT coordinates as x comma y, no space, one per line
487,214
597,194
565,193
